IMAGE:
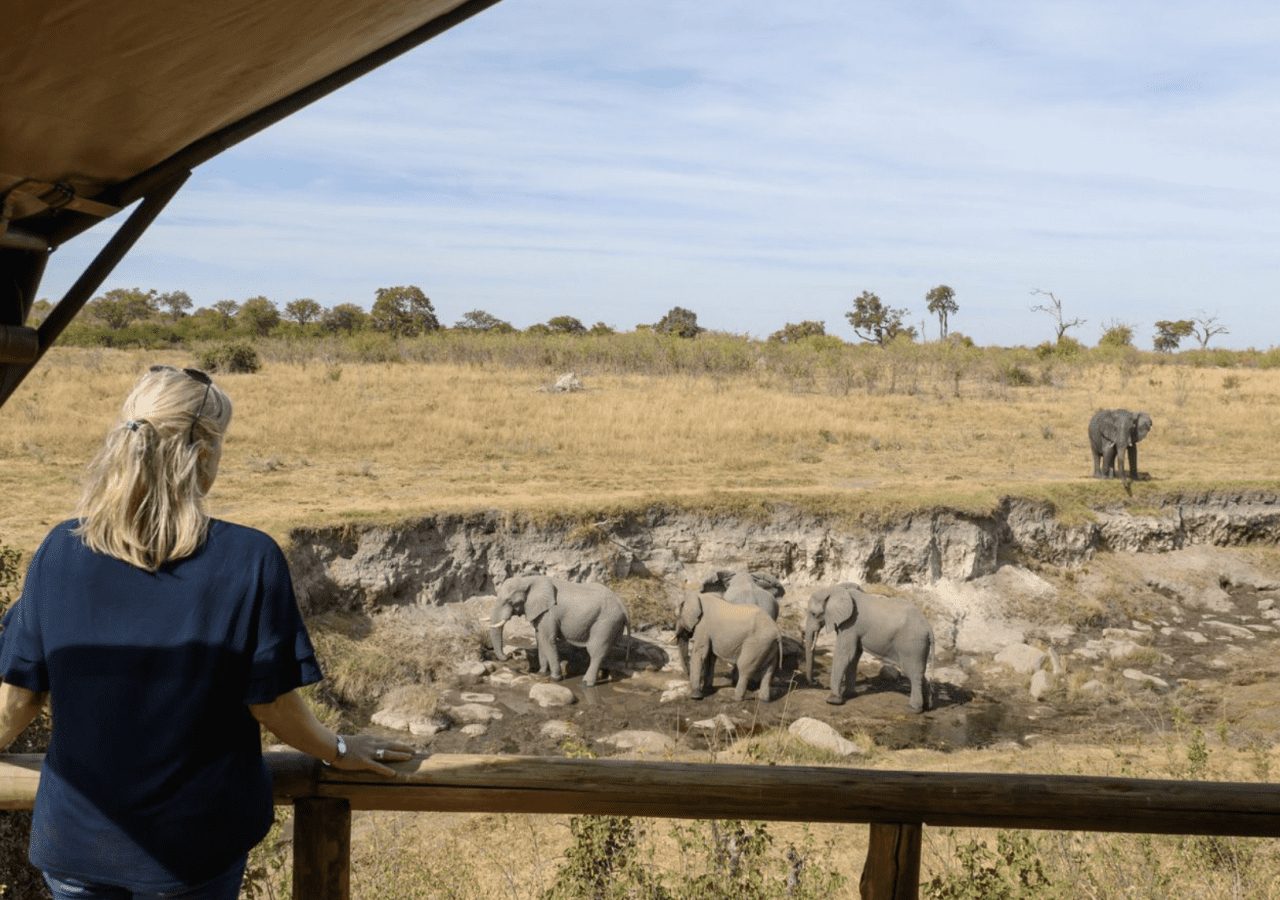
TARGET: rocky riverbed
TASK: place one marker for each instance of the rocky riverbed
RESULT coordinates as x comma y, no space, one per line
1102,631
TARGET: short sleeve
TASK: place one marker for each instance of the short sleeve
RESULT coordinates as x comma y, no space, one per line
22,658
283,658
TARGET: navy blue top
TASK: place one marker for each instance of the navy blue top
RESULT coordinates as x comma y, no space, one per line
154,778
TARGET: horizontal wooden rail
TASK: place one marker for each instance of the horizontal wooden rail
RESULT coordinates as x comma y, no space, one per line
896,803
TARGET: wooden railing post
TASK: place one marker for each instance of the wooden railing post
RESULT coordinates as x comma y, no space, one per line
892,870
321,849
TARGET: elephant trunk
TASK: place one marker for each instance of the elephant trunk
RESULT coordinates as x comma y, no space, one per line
682,646
810,638
495,640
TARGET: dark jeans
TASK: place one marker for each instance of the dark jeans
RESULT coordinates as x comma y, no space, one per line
225,887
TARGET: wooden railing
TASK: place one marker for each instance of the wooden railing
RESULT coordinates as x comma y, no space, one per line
896,804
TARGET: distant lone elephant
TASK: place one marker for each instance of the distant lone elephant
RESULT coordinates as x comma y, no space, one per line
585,615
889,627
1112,434
741,634
753,588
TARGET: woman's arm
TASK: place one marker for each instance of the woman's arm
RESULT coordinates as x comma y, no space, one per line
18,706
289,718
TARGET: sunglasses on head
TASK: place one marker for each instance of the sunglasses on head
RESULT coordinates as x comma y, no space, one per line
194,375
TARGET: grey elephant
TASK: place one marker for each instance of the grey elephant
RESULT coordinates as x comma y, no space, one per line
586,615
1113,433
889,627
754,588
743,635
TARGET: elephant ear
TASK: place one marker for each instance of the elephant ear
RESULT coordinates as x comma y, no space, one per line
841,608
541,597
715,583
1142,426
690,612
769,583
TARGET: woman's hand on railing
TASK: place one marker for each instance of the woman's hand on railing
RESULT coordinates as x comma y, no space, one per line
366,753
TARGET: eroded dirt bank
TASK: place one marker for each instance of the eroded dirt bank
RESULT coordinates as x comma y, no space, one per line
1096,631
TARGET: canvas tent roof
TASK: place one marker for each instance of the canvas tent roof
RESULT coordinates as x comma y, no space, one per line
103,104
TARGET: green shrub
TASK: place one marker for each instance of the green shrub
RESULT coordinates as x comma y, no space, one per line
1014,375
231,357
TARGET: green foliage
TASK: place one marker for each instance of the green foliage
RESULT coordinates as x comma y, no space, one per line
226,311
942,303
1014,375
233,357
119,307
1117,334
176,303
259,316
601,328
303,311
1169,333
345,317
876,323
680,322
479,320
794,332
602,863
403,311
1012,871
565,325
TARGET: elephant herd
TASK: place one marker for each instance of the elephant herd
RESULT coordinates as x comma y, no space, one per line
733,617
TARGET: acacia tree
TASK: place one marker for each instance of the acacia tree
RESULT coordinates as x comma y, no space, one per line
120,307
797,331
1116,334
226,311
479,320
1169,333
1205,327
404,311
566,325
876,323
303,310
942,303
176,303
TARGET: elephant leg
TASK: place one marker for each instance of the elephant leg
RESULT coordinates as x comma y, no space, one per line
698,658
847,651
919,691
549,654
766,682
1133,462
597,647
1109,461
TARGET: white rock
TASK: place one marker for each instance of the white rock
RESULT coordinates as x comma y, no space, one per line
546,695
507,678
1262,627
1041,684
1167,630
473,669
1195,637
675,690
1055,662
1140,626
1092,686
473,713
1236,631
425,727
644,742
1219,663
1144,678
819,734
719,723
475,729
1091,653
390,718
1266,603
1022,658
950,675
1122,649
473,697
1271,614
559,729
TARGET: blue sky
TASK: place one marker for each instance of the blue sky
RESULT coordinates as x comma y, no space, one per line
761,163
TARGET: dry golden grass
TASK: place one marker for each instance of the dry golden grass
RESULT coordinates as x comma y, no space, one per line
391,440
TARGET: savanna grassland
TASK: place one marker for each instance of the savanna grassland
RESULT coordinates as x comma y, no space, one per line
321,434
373,429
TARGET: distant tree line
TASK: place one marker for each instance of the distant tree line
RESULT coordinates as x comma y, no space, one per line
122,316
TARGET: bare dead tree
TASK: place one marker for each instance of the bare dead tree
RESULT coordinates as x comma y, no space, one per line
1205,326
1054,309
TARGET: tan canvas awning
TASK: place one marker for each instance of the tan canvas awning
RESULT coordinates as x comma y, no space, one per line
103,103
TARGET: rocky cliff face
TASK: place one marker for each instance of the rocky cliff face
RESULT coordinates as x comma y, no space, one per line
447,558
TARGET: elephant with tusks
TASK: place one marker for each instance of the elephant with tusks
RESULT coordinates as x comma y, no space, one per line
583,614
1113,435
889,627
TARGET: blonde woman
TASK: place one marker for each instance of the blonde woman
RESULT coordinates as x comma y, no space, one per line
161,638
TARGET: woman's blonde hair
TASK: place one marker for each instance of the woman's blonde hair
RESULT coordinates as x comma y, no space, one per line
143,500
